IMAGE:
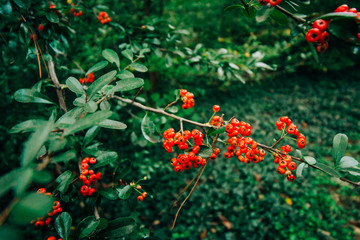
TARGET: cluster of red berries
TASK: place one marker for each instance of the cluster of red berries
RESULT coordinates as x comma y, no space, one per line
89,79
286,123
184,161
76,13
42,221
246,144
271,2
104,17
345,8
318,34
187,98
286,165
216,120
53,238
85,190
142,195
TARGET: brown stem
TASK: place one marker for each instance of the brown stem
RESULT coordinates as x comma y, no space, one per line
137,94
276,143
170,104
289,14
57,85
127,67
160,111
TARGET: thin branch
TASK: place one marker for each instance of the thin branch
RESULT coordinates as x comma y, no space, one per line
127,67
181,127
289,14
57,85
137,94
160,111
170,104
276,143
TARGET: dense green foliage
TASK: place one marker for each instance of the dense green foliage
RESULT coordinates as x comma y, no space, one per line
254,71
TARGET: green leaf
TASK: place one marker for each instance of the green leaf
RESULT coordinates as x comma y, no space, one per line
118,228
112,124
328,170
233,7
105,159
21,4
348,162
310,160
98,84
97,67
63,225
205,152
9,180
300,169
250,13
128,54
35,142
125,192
105,105
52,17
42,177
172,109
74,85
64,157
90,135
91,106
126,85
213,131
31,96
108,193
279,17
63,181
69,117
139,67
111,56
88,121
87,226
123,74
344,29
10,232
148,130
23,180
339,146
27,126
57,47
337,15
30,207
263,13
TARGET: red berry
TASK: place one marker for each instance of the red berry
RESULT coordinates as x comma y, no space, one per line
99,175
216,108
86,160
322,47
320,24
313,35
178,168
274,2
39,223
92,178
84,190
263,2
41,27
140,198
84,166
91,191
291,177
284,119
291,166
342,8
280,170
56,204
92,160
301,142
287,148
41,190
51,238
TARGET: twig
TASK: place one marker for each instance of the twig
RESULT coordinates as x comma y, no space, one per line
181,126
170,104
289,14
245,6
57,85
37,55
137,95
160,111
276,143
137,59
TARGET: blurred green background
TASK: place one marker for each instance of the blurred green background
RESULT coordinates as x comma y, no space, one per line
232,201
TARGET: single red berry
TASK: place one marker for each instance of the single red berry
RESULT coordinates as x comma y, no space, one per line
178,168
301,142
291,166
92,160
196,149
282,163
98,175
92,178
287,172
291,177
313,35
342,8
287,148
324,37
280,170
41,27
173,162
213,156
39,223
227,155
91,191
217,151
86,160
91,172
144,194
84,166
84,190
235,122
187,165
41,190
287,158
274,2
140,198
56,204
262,152
47,221
51,238
322,47
216,108
284,119
352,10
320,24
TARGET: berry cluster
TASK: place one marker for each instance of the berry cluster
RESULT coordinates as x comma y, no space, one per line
345,8
104,17
138,187
285,123
184,161
89,79
85,190
271,2
53,238
246,144
187,98
42,221
216,120
286,165
76,13
318,34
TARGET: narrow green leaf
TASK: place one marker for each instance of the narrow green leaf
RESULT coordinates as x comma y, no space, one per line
108,193
91,106
232,7
139,67
348,162
338,15
119,227
128,54
328,170
105,159
148,130
35,142
23,180
69,117
111,56
9,180
31,96
125,192
64,157
112,124
98,84
87,226
88,121
63,225
97,67
310,160
263,13
27,126
279,17
90,135
63,181
74,85
126,85
339,146
30,207
123,74
300,169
